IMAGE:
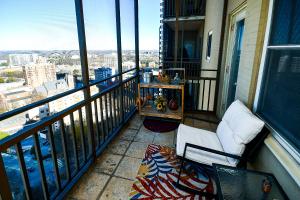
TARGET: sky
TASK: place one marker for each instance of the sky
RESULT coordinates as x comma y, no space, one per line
51,24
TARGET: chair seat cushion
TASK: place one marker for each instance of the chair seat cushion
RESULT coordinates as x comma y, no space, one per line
200,137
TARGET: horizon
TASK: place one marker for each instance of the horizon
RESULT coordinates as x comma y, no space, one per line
35,25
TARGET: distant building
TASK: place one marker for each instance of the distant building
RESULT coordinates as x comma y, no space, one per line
103,73
110,60
22,59
128,65
51,88
15,98
67,76
36,74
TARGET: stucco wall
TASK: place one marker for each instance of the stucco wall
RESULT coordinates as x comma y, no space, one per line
266,159
267,162
213,22
248,50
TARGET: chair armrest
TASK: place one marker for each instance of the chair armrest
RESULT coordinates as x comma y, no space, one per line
212,151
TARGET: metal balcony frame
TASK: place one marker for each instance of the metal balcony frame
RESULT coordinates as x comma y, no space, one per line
126,110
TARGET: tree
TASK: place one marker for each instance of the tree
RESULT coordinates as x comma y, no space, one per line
76,72
10,80
2,80
4,64
3,135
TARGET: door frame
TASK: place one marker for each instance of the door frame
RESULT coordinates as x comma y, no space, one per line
235,16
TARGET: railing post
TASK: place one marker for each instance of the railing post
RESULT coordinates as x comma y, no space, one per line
85,72
5,192
119,52
136,32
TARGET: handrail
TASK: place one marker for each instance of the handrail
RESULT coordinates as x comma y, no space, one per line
114,76
17,111
31,129
106,90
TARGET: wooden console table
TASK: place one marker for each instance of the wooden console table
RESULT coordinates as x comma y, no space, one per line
148,110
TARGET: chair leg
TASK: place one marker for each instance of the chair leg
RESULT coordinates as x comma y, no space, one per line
180,170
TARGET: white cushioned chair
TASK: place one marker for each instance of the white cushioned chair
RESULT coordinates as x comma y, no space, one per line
239,126
238,136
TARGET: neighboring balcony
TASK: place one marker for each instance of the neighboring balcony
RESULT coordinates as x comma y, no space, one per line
187,8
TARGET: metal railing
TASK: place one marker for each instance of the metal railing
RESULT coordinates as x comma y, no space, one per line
186,8
70,147
200,86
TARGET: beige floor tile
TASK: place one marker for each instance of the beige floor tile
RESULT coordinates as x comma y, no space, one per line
137,149
165,138
144,130
202,125
117,189
107,162
118,146
89,186
143,136
135,122
127,134
213,127
188,122
128,167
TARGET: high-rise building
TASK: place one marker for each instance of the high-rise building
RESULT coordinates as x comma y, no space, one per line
39,73
22,59
181,36
103,73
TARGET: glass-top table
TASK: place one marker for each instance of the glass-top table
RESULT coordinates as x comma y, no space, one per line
235,183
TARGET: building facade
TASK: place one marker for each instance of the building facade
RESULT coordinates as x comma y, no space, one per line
36,74
103,73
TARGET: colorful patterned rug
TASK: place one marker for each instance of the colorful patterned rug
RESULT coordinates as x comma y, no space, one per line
158,174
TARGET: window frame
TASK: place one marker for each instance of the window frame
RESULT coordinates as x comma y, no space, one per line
277,135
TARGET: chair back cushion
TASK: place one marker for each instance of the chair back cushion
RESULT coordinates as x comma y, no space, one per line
226,137
243,123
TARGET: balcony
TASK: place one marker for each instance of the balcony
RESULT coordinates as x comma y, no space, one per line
119,163
187,8
92,149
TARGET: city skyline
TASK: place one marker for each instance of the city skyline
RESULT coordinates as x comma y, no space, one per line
51,25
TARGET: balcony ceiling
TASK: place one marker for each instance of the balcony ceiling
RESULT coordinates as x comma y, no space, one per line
187,25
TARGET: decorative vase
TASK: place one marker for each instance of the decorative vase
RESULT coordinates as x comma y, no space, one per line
176,79
173,105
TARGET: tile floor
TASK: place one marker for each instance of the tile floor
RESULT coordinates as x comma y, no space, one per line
113,173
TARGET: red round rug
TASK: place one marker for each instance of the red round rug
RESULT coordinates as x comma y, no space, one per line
160,125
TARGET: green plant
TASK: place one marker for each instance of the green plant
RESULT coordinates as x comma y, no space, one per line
3,135
10,80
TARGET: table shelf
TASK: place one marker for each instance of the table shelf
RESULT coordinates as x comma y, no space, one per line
150,110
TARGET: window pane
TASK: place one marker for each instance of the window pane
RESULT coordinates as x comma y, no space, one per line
101,40
38,51
280,97
149,26
127,35
286,22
